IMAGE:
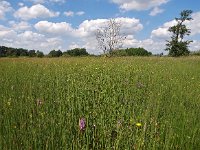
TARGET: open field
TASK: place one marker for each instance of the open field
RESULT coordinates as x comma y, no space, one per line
128,103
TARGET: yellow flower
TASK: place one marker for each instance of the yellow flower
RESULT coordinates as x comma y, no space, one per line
138,124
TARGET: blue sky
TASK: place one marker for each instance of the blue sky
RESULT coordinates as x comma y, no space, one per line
65,24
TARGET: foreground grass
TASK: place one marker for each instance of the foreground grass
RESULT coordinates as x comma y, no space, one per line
128,103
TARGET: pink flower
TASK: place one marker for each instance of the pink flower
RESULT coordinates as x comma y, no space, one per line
82,124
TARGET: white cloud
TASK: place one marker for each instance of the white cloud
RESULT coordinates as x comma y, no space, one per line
195,45
58,1
162,32
130,41
154,46
128,26
88,27
45,1
6,33
28,39
4,8
32,40
74,45
59,29
30,36
20,26
128,5
194,24
69,13
20,4
80,13
51,43
156,11
37,1
35,11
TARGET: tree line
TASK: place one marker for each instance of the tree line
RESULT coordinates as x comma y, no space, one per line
16,52
20,52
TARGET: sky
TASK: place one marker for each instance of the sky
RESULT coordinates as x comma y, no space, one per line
66,24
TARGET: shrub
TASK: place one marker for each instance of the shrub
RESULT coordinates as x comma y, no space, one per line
39,54
76,52
131,52
55,53
137,52
195,53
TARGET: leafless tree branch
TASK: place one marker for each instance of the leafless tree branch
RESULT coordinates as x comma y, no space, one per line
109,37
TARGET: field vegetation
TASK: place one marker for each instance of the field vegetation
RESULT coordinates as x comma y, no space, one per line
100,103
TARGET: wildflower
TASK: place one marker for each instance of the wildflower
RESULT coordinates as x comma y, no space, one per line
39,102
138,124
82,124
94,126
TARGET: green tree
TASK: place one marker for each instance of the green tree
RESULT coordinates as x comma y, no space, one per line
76,52
137,52
177,46
39,54
3,51
32,53
131,52
55,53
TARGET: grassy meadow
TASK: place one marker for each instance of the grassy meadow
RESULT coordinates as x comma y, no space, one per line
127,103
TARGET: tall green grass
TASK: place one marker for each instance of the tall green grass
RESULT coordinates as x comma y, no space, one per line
128,103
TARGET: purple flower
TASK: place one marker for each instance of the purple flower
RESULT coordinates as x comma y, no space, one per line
82,124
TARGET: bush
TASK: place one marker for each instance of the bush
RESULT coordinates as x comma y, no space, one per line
137,52
55,53
131,52
31,53
196,53
76,52
39,54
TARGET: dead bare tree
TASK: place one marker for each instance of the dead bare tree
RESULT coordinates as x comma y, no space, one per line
109,37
